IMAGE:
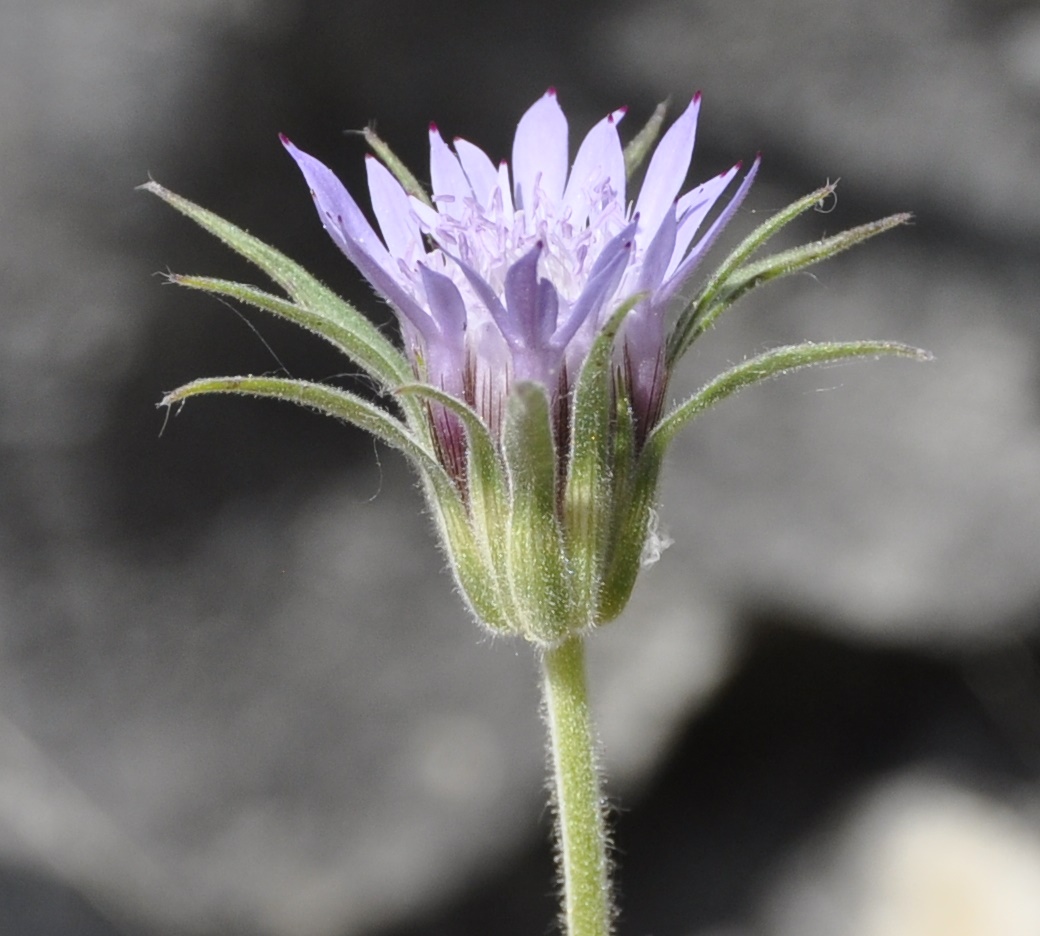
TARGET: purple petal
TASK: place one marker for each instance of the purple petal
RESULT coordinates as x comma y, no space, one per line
579,328
506,326
643,332
532,307
481,171
430,222
658,254
445,363
392,209
491,358
600,157
427,217
603,281
685,270
449,182
339,213
692,209
506,191
352,233
668,168
446,304
548,310
619,243
540,151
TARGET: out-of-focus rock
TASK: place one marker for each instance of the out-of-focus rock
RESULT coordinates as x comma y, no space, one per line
917,857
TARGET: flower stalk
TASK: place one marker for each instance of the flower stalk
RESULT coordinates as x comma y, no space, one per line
581,832
542,313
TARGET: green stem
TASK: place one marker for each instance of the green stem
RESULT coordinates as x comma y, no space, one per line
580,827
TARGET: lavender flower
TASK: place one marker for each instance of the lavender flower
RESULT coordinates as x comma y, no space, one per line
542,313
523,273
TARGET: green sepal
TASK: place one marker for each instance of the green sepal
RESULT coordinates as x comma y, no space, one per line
398,169
689,325
625,451
487,495
332,401
763,367
478,437
640,145
371,350
465,551
633,510
342,338
450,512
635,497
468,560
791,261
587,501
752,275
635,493
537,562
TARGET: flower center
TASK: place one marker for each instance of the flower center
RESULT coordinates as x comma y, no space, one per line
491,237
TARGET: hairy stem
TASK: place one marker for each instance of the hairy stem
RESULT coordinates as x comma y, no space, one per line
581,837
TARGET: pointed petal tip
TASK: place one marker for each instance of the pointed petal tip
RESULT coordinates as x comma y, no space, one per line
284,140
551,92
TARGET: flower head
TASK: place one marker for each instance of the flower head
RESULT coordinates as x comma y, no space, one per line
542,310
509,276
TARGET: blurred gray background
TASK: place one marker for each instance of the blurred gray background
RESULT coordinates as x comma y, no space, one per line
237,694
